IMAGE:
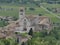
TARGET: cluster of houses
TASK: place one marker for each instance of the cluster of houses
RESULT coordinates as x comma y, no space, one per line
24,24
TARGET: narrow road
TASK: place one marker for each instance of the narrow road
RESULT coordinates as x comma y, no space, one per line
50,12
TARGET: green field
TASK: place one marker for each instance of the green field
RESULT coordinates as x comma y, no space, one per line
6,12
50,6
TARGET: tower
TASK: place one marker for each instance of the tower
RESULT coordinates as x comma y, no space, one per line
21,13
23,21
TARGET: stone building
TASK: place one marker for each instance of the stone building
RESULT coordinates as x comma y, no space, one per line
36,22
25,23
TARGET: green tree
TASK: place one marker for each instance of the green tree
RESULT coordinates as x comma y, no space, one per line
30,32
23,43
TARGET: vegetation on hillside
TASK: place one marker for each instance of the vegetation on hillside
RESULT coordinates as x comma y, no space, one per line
9,41
42,38
11,8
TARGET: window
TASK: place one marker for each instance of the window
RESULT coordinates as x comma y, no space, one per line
21,10
25,29
25,21
21,13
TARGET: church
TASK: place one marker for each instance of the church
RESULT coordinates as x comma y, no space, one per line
25,23
36,22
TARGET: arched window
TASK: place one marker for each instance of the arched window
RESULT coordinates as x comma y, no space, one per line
25,21
21,10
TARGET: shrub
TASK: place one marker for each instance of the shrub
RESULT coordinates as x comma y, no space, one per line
31,8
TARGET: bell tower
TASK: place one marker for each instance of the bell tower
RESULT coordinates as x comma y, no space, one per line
21,13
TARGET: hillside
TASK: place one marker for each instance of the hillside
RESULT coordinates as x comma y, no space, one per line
33,7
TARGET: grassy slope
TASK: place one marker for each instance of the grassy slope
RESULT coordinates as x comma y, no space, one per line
13,12
52,6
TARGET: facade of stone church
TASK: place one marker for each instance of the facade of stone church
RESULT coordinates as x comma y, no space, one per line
37,23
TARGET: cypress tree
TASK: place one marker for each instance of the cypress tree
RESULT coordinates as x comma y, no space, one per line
30,32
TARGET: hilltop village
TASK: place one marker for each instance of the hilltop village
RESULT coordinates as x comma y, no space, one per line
24,24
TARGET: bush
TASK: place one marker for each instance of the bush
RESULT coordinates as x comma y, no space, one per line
15,18
40,14
31,8
23,43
